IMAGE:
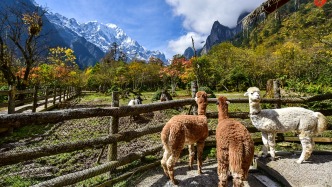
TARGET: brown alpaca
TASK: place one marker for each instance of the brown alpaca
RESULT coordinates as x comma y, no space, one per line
235,147
183,130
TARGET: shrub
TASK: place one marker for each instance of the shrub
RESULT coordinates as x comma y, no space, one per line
156,95
3,98
208,91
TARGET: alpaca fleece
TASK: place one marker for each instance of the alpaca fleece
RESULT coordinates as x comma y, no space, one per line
235,147
183,130
305,122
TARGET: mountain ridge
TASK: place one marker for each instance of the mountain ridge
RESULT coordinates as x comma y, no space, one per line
104,35
219,33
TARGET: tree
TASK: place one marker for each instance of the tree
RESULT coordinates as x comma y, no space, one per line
173,71
62,60
20,45
137,74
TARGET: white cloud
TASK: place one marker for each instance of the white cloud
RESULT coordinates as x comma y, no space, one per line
179,45
199,16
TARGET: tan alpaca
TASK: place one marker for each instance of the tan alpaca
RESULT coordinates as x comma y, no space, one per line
183,130
235,147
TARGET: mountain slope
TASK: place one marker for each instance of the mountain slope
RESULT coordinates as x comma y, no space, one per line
103,36
90,41
219,33
87,54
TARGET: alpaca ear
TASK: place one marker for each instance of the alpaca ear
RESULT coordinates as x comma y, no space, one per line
246,94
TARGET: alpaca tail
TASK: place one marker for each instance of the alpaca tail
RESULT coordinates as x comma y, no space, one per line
235,158
322,123
165,133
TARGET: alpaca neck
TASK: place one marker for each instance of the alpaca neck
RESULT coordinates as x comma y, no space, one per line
222,114
255,108
201,110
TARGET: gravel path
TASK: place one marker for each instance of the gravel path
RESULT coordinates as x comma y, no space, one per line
189,178
317,171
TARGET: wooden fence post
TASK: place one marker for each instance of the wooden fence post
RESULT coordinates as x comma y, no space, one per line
68,92
277,95
70,89
11,99
46,97
35,99
60,92
113,129
276,92
54,95
194,89
65,94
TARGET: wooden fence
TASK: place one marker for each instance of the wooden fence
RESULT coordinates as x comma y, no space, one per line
44,99
36,97
12,120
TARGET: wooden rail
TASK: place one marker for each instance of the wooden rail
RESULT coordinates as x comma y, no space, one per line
36,97
13,120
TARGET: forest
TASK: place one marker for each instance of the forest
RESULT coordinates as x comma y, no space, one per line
293,44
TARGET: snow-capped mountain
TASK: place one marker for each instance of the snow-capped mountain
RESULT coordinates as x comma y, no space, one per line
103,36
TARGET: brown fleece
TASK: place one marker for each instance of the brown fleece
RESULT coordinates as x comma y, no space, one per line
235,147
183,130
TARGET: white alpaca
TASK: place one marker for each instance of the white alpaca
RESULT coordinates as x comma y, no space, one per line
134,102
271,121
137,101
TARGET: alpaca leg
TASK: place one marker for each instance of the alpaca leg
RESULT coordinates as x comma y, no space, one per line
265,147
222,173
200,148
163,161
306,142
238,180
310,149
191,149
170,166
272,143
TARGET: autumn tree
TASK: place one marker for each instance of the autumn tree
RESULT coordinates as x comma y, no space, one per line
137,74
173,72
65,69
152,79
20,42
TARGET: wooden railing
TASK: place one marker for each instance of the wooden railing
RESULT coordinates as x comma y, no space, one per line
34,98
12,157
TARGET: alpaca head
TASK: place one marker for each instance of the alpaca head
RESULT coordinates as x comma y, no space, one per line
222,103
202,102
223,107
254,94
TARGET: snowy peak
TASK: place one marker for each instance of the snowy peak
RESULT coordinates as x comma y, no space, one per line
104,35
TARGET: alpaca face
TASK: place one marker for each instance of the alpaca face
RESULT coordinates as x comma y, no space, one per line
222,101
223,105
201,97
254,94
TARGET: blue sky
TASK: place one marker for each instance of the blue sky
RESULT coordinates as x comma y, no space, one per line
164,25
